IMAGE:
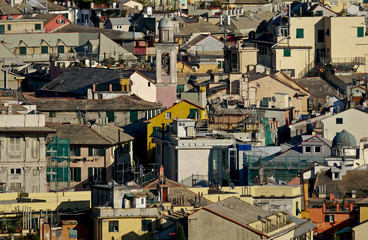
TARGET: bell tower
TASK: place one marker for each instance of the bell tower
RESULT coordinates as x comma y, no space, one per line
166,60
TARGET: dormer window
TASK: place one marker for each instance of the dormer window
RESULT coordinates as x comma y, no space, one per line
317,149
308,149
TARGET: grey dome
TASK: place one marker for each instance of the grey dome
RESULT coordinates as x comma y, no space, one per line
344,139
165,23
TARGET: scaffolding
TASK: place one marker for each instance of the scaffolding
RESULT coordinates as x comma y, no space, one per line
58,164
259,170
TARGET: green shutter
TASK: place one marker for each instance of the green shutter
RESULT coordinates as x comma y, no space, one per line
60,49
193,113
110,116
66,174
22,50
90,151
77,151
299,33
145,225
287,52
38,26
102,151
133,116
90,174
360,32
180,88
78,176
44,49
2,29
319,13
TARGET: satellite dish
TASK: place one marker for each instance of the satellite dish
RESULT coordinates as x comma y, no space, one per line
273,99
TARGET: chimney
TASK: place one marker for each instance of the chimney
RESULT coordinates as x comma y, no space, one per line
323,207
332,196
351,206
93,87
162,170
337,207
353,193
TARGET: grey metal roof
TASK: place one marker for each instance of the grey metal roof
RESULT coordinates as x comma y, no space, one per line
79,134
78,80
122,103
237,210
52,39
6,9
303,225
111,133
120,21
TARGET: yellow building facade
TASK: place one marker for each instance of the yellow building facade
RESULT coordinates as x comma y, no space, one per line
183,109
125,223
44,201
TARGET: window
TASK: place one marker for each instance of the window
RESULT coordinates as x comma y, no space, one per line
75,174
168,115
317,149
193,113
15,187
287,52
15,171
319,13
114,226
96,174
179,88
133,116
72,234
339,121
329,218
262,50
14,144
60,49
321,35
333,3
307,149
74,151
110,116
44,49
300,33
9,27
96,151
35,146
60,21
360,31
149,84
22,50
52,114
38,26
146,225
2,29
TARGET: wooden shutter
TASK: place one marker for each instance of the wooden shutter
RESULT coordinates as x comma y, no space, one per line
90,151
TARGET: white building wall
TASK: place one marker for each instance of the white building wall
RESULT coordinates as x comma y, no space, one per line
143,88
353,122
192,161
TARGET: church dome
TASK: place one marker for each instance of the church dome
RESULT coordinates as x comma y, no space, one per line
165,23
344,139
